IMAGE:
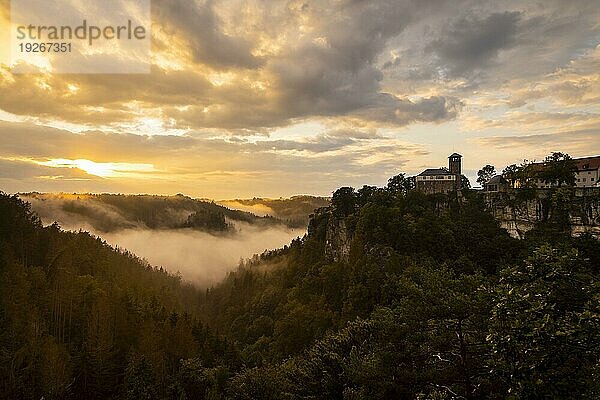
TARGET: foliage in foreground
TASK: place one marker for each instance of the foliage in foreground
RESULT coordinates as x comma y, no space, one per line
79,319
436,301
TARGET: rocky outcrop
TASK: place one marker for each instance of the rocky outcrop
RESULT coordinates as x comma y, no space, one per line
520,210
337,240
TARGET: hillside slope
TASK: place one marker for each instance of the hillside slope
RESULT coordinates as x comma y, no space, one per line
434,300
113,212
79,319
389,295
295,211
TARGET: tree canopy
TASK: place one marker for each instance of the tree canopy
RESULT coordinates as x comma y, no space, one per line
485,174
434,300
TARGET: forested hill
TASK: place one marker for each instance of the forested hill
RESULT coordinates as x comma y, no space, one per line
112,212
434,301
80,320
295,211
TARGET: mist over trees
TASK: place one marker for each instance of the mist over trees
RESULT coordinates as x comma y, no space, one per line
114,212
434,300
82,320
199,239
294,211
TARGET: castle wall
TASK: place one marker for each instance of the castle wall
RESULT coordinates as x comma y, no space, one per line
436,186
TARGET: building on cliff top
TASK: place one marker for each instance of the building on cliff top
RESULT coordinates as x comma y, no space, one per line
587,175
496,184
588,171
441,180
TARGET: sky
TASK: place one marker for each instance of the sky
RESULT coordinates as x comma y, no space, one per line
278,98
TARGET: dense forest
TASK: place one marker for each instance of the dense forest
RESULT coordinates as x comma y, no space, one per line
435,301
113,212
79,319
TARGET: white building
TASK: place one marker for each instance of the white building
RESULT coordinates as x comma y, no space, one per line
588,171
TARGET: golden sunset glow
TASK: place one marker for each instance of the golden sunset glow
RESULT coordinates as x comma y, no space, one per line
103,170
299,199
302,97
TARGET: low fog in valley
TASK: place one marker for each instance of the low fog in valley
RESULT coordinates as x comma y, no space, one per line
202,258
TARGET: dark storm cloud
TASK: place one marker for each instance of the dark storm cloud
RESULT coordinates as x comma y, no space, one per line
377,63
198,24
473,43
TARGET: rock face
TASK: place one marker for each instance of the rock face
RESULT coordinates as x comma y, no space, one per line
337,240
518,211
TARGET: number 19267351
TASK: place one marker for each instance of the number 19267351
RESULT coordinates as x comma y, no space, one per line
52,47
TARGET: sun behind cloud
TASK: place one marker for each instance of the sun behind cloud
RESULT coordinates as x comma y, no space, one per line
103,170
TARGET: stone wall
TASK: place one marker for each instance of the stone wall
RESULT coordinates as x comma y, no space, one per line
436,186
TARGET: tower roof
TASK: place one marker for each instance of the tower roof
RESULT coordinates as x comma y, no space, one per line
454,155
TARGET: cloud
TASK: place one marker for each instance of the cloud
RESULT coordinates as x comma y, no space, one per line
17,169
318,60
480,46
529,122
538,146
576,84
473,43
251,69
199,26
226,76
199,165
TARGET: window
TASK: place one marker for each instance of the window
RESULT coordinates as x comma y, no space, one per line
584,179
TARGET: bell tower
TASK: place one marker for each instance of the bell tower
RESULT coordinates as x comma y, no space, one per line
454,163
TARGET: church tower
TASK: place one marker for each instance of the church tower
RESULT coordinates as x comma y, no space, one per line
454,164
